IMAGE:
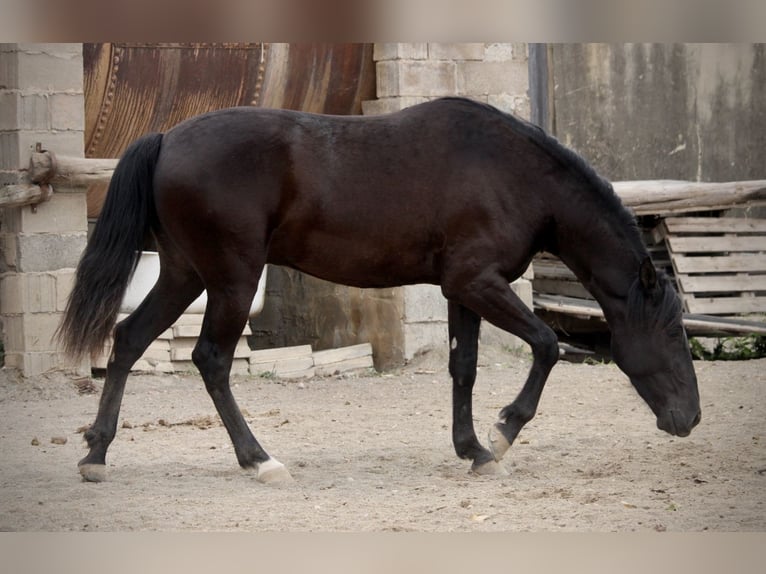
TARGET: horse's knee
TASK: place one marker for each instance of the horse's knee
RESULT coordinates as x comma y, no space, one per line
545,347
211,364
462,368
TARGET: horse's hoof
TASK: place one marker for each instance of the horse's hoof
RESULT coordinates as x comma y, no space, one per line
93,472
498,444
491,468
273,472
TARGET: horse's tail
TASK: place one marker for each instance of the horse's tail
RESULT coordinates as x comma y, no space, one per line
112,253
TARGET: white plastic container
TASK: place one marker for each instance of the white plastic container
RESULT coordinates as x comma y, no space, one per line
147,272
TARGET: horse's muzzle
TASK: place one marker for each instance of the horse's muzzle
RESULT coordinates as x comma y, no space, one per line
678,423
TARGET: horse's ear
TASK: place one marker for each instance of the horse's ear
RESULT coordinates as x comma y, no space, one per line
647,274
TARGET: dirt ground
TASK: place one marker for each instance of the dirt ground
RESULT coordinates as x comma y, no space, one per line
372,452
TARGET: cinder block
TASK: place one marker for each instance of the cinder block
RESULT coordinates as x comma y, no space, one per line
67,111
518,105
49,71
491,335
62,213
9,68
71,143
498,52
11,153
62,49
11,294
424,303
28,293
64,284
13,334
458,51
34,363
416,78
9,250
484,78
31,332
420,337
48,252
10,104
523,289
390,105
394,51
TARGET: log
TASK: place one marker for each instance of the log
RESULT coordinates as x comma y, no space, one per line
696,324
19,194
662,197
46,167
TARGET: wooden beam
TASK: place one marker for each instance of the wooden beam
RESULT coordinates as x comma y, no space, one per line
696,324
662,197
46,167
20,194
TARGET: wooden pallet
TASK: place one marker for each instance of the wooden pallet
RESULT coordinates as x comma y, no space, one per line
719,263
552,277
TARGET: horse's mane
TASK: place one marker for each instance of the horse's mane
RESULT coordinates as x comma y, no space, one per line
567,158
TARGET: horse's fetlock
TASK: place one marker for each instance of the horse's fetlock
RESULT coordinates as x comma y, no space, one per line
517,414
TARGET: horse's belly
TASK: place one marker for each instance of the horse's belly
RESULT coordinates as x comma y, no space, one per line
364,262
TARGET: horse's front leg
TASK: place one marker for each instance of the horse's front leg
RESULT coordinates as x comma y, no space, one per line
464,335
491,297
513,417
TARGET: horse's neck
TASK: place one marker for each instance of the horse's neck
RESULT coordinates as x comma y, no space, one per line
606,260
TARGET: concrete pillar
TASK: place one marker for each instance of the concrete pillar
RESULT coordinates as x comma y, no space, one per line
408,74
41,100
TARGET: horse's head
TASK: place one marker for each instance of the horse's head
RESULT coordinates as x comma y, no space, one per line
651,347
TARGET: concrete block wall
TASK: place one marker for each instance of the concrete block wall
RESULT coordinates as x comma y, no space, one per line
409,74
41,100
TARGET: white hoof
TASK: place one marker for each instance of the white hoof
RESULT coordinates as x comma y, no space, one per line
498,444
491,468
272,472
93,472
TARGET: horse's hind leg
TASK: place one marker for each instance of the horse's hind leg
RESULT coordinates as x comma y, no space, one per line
172,294
464,337
225,318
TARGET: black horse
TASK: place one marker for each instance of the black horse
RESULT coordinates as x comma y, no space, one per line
451,192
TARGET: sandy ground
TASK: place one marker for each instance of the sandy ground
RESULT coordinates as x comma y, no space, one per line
372,452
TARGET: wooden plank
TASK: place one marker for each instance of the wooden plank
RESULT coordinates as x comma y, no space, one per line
292,367
330,356
721,283
568,305
726,305
715,225
716,244
743,262
184,352
556,287
280,353
344,366
552,269
238,367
